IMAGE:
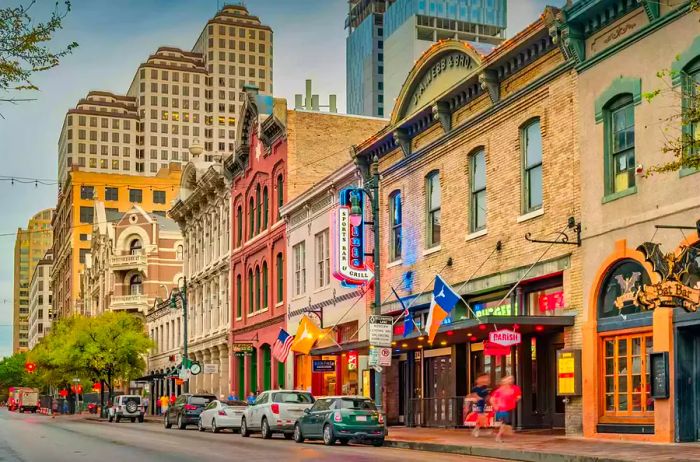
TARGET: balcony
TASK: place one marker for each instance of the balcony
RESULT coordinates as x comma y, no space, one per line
130,303
128,262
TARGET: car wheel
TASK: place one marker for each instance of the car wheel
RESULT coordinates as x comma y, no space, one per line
378,443
166,422
133,419
344,442
244,429
181,423
214,428
328,438
200,427
298,436
265,429
288,436
141,418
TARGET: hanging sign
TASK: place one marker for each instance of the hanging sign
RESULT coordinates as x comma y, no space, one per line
494,349
242,347
348,225
380,330
505,337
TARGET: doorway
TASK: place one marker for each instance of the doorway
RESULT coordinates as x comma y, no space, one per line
688,384
438,403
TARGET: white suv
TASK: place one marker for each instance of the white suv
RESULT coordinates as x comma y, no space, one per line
275,411
126,407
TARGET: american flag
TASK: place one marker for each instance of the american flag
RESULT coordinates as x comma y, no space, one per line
280,349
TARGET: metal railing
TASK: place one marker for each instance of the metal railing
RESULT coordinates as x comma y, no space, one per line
128,260
139,301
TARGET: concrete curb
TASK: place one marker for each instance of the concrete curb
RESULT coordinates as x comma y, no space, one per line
497,453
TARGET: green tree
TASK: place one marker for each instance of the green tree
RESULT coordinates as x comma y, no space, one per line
14,374
24,46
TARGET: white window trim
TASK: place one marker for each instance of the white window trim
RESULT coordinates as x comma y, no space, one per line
398,262
529,216
476,234
432,250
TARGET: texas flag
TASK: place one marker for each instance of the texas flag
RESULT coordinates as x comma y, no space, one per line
444,300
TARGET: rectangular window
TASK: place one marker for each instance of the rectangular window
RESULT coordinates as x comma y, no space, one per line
159,197
531,142
626,380
323,262
395,221
478,191
86,214
135,195
299,252
621,141
87,192
111,194
434,203
239,297
691,119
83,252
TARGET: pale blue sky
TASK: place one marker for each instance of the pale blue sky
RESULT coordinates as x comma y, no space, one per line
114,37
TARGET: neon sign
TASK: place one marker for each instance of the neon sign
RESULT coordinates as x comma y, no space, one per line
348,223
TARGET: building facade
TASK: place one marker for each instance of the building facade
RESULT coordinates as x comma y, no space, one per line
386,37
316,293
30,246
281,154
73,221
40,300
629,336
175,97
479,174
203,212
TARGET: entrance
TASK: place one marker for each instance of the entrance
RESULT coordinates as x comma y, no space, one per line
688,383
541,407
439,405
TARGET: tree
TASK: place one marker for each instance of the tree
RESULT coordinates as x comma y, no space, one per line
24,46
14,374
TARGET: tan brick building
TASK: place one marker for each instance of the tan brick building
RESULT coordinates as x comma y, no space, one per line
481,159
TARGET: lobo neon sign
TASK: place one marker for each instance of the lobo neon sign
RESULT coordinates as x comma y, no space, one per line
348,223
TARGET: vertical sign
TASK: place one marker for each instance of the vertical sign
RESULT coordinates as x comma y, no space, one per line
348,229
569,372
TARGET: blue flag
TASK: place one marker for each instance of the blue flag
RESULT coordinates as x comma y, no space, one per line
408,323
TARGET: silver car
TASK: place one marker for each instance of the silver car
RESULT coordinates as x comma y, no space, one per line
275,411
222,414
126,407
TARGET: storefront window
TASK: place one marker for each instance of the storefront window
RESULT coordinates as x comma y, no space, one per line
546,302
494,306
617,295
626,383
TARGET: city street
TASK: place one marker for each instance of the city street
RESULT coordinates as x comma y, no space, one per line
38,438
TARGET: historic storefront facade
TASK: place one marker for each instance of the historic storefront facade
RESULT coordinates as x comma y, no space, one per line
629,339
479,175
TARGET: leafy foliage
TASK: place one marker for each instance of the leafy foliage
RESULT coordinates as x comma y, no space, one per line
24,46
13,373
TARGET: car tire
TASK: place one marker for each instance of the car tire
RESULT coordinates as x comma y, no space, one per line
244,429
166,422
344,441
200,427
141,419
298,436
214,428
265,429
181,423
133,419
378,443
328,438
288,436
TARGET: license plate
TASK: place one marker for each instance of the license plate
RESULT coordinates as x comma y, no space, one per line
361,418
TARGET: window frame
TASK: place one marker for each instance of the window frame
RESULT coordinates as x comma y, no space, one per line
616,104
431,211
139,193
239,297
299,268
395,226
322,258
279,264
690,81
527,168
474,192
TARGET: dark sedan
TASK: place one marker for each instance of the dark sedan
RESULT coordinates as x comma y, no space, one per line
186,410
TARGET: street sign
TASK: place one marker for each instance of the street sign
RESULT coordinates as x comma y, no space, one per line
384,356
211,368
380,330
373,357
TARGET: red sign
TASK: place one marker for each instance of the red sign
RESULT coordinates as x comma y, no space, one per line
352,361
505,337
63,393
551,302
493,349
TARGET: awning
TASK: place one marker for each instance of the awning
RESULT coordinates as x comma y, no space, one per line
362,347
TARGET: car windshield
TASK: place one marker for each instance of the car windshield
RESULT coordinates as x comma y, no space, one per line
201,399
293,397
357,404
236,403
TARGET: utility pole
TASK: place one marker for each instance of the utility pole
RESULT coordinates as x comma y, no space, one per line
181,293
374,171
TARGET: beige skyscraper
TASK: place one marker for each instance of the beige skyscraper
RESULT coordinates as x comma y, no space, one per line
175,97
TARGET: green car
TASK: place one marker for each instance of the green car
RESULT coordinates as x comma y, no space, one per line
341,418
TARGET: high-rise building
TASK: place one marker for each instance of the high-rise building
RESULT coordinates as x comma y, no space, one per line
176,96
386,37
40,300
30,246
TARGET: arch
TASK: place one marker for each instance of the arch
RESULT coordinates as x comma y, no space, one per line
135,246
265,286
251,218
136,284
279,270
624,276
251,293
266,208
258,209
239,225
280,194
619,86
257,288
131,232
684,60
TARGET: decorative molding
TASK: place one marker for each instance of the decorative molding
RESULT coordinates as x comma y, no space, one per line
402,140
620,85
652,8
442,113
689,55
488,80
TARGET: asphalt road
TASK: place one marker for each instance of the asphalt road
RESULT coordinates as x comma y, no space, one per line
38,438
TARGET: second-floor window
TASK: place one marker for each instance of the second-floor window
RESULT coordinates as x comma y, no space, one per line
531,142
279,269
619,123
159,197
395,221
111,194
433,205
280,194
299,255
239,297
265,208
239,226
135,285
323,262
87,192
251,218
477,181
135,195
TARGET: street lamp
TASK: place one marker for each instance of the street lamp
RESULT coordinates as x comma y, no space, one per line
181,293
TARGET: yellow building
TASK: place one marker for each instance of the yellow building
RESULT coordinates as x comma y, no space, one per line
30,246
73,220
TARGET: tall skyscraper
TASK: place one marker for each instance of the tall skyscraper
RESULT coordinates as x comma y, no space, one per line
175,97
386,37
30,246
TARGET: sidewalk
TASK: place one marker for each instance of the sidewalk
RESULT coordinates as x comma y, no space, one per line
532,447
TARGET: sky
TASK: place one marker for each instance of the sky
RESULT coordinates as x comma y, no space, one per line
114,37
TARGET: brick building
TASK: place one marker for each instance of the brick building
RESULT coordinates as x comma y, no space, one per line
280,154
480,159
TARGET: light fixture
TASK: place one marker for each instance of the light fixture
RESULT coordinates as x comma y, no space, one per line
355,210
404,345
469,334
393,343
472,339
450,332
482,326
420,347
420,339
539,328
443,343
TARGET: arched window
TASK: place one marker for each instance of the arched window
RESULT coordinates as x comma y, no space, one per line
279,270
280,195
239,226
395,221
264,285
691,124
251,218
258,209
239,297
178,253
477,183
266,208
135,285
257,288
618,287
619,130
135,247
531,145
251,298
433,205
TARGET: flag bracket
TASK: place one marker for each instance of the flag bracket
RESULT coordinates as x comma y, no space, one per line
318,313
562,237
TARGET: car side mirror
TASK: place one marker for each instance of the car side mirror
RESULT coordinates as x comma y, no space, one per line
307,411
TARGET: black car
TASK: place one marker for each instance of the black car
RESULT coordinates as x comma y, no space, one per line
186,410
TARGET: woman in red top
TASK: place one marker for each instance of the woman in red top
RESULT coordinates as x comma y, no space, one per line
504,400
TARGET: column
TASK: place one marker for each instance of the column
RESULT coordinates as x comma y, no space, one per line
206,377
224,382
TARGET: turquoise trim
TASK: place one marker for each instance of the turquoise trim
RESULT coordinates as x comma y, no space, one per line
619,195
618,86
687,171
683,59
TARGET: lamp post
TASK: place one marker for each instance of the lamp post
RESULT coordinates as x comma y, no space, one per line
181,293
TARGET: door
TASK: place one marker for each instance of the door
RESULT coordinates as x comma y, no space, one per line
317,416
439,404
403,386
688,384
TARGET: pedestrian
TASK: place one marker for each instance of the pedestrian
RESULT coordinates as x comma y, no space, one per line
232,396
172,398
477,398
163,404
504,400
251,398
146,402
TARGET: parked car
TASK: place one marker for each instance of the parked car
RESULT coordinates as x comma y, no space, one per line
126,407
222,414
341,418
186,410
275,411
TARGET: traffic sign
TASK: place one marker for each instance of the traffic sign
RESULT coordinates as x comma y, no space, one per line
373,357
384,356
380,330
